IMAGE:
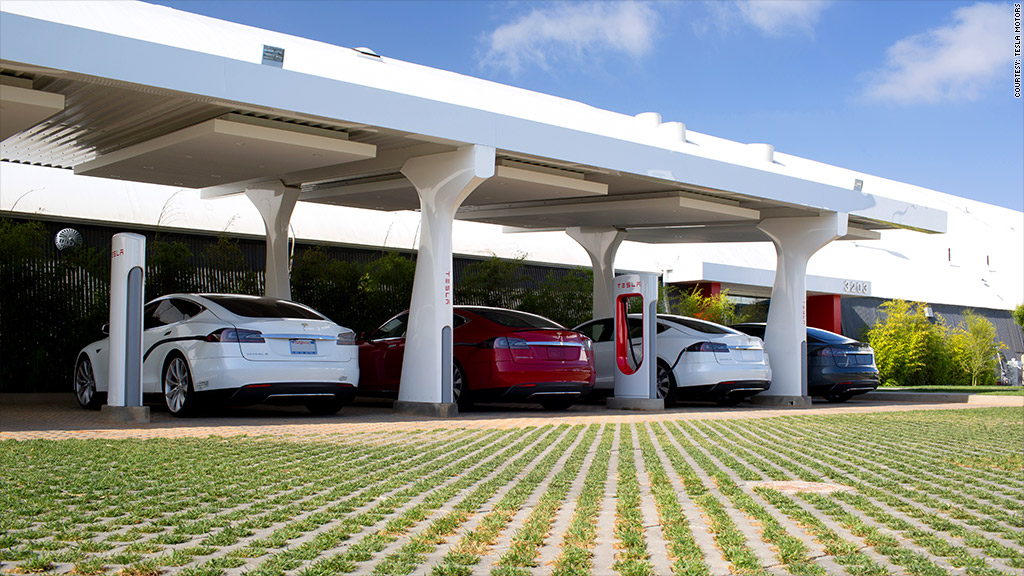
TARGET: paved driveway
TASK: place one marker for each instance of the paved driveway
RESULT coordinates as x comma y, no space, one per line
58,416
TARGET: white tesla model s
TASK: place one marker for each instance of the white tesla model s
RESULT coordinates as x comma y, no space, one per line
234,349
697,360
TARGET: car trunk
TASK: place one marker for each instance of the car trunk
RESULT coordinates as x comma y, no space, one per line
547,346
742,350
286,339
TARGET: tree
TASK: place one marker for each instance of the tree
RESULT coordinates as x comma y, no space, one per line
975,348
1018,314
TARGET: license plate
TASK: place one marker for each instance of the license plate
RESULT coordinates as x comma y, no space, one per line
302,346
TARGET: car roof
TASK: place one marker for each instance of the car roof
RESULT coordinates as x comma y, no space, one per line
215,302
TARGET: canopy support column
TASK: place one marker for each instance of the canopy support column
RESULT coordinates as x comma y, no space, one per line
275,201
601,245
796,240
443,182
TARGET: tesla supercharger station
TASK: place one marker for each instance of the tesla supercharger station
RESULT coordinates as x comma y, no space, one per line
636,359
127,280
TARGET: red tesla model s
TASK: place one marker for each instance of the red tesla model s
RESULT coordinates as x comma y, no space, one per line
500,356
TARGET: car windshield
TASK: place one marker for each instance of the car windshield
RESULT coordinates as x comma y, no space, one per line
264,307
514,319
698,325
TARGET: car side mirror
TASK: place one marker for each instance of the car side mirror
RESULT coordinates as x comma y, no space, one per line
105,329
365,336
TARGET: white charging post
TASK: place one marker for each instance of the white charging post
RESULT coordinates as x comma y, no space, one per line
127,287
636,363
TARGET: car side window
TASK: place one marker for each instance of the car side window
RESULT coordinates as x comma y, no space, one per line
394,328
149,316
188,308
167,313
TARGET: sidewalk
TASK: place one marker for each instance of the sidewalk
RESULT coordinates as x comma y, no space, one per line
58,416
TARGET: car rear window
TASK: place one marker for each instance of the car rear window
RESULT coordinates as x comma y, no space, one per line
514,319
265,308
827,337
752,329
699,325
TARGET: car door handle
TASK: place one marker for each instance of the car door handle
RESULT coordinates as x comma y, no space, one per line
168,333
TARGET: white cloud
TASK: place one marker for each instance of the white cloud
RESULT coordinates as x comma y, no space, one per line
782,17
953,63
571,31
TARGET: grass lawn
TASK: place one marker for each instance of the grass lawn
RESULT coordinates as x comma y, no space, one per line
928,493
984,390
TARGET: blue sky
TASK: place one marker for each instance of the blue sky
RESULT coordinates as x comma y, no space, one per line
920,91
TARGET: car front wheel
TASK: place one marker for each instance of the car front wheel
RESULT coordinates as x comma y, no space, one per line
85,384
177,386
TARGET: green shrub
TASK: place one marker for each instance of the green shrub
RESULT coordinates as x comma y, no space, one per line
566,299
494,282
1018,314
973,346
715,308
357,296
50,306
909,350
170,268
226,269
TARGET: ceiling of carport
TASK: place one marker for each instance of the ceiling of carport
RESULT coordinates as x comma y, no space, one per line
231,148
21,107
118,130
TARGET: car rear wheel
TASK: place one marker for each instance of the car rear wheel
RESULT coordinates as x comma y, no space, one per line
667,384
85,384
460,388
177,386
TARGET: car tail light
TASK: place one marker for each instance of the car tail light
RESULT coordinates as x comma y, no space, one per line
837,355
236,335
511,343
708,347
347,338
518,348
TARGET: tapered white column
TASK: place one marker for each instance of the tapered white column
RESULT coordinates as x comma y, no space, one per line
601,245
275,201
442,181
796,240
